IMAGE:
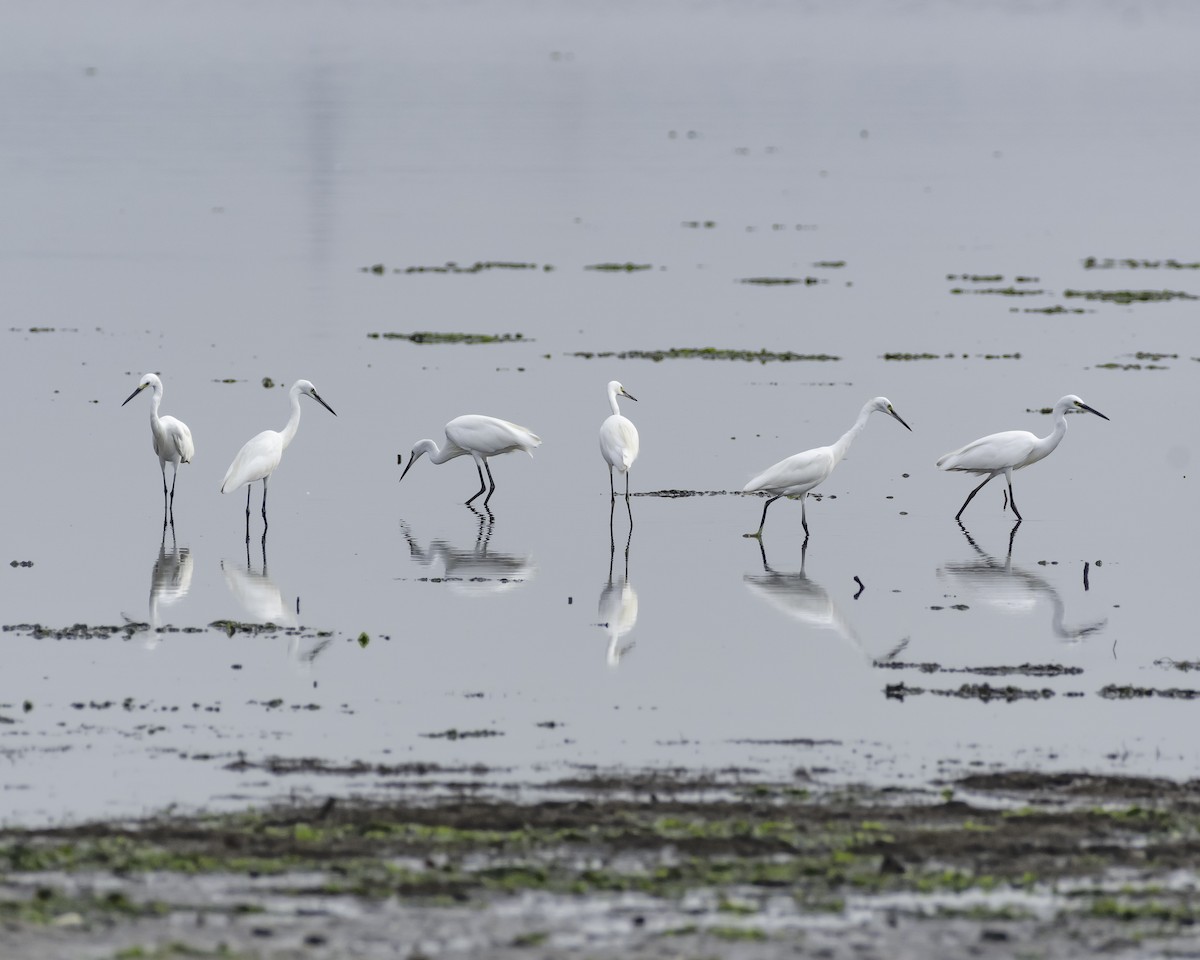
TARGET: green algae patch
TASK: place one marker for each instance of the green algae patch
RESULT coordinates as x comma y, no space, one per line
705,353
1057,310
829,264
431,337
1000,291
1130,296
618,267
950,356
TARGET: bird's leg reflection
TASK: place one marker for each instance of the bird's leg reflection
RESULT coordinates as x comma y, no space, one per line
487,520
170,580
618,606
1010,587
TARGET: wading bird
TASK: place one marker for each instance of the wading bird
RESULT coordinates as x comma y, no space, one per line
1002,453
801,472
480,437
261,454
618,439
172,440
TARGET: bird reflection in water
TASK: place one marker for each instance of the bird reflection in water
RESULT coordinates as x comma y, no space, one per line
170,581
800,597
473,571
257,593
1012,589
618,606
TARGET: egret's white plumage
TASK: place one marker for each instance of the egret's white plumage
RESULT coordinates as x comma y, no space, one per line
1002,453
260,455
798,474
480,437
172,439
618,439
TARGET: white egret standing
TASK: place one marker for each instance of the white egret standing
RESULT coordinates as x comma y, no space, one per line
799,473
172,440
481,437
261,454
618,439
1002,453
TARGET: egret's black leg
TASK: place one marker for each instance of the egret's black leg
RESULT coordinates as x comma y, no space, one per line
1013,500
482,485
174,477
248,486
971,496
763,521
491,482
264,508
163,467
612,490
627,487
804,515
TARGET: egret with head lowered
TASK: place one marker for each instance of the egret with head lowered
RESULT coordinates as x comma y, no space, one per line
261,454
618,439
1002,453
801,472
479,437
172,440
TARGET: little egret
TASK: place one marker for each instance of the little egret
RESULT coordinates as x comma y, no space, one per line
1002,453
799,473
261,454
172,440
481,437
618,439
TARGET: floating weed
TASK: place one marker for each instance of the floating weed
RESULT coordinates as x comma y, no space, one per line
984,692
705,353
951,356
734,934
1024,670
453,734
698,224
829,264
1055,310
975,277
1131,296
1110,263
1184,665
427,336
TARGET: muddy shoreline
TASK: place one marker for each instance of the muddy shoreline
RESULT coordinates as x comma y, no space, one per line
627,864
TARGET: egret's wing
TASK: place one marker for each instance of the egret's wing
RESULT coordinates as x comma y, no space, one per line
619,441
179,437
797,474
994,452
488,435
254,461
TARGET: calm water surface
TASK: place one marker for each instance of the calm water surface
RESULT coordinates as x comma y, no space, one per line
198,191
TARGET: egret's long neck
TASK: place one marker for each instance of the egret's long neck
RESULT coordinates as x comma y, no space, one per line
155,400
448,452
293,423
612,401
843,442
1045,446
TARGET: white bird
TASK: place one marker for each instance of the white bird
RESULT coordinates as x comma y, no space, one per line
481,437
172,440
801,472
1002,453
618,439
261,454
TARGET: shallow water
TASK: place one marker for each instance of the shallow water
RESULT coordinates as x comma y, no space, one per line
199,192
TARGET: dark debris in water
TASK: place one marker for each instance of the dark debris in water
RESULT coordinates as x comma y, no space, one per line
283,766
1183,665
618,267
675,494
951,356
453,734
1131,296
1129,692
1000,291
782,281
1024,669
429,336
1110,263
704,353
984,692
78,631
20,563
479,266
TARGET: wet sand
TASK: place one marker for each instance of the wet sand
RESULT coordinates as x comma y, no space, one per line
623,864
